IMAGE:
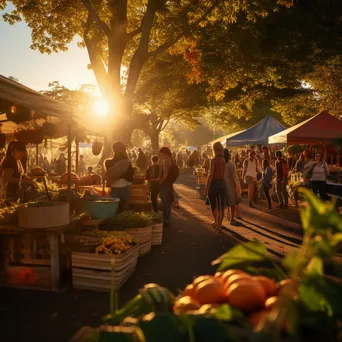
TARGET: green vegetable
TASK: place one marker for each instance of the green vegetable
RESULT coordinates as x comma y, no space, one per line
129,219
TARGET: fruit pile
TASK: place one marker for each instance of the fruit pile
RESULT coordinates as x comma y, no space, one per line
116,244
253,295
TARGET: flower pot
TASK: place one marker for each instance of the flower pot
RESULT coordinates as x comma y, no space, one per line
101,207
44,216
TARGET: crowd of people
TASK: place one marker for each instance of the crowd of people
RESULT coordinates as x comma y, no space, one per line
223,188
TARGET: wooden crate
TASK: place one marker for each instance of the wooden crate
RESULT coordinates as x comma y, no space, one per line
144,235
29,250
34,261
101,272
139,192
157,234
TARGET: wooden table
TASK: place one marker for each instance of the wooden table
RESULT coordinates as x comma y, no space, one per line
47,271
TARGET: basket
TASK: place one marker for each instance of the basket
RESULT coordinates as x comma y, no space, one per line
44,216
101,210
157,234
144,235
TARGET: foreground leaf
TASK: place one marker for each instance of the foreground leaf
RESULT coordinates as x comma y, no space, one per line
244,254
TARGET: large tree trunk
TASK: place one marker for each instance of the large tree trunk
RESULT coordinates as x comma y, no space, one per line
155,141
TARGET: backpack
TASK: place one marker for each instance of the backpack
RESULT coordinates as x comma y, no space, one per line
173,173
129,174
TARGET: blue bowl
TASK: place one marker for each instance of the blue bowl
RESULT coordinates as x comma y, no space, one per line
101,210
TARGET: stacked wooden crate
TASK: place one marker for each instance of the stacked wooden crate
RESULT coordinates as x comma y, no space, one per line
101,272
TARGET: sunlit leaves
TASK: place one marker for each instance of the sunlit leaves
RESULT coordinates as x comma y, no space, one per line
319,216
243,254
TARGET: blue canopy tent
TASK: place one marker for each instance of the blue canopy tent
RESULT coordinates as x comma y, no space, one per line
257,134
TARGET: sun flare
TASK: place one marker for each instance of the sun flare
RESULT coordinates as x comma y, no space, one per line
101,108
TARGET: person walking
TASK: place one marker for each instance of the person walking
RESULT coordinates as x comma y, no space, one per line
215,188
142,161
250,172
233,187
119,175
266,181
318,180
152,176
166,182
82,166
282,173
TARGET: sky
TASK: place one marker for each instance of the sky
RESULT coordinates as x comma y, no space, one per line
36,70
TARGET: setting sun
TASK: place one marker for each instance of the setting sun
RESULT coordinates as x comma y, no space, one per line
101,108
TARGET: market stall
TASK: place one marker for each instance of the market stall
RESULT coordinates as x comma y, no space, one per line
257,134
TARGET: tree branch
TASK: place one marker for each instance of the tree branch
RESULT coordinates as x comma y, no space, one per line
95,17
167,45
97,64
132,34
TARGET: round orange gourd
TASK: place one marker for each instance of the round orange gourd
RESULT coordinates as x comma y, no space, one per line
246,295
185,304
189,290
270,302
226,275
256,317
201,279
268,284
237,278
210,292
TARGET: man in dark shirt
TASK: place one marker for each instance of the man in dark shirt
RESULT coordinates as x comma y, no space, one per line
153,174
282,174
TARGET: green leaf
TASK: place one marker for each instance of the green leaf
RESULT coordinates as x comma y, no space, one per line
164,327
319,217
336,239
209,329
293,261
224,313
315,266
268,272
312,297
247,253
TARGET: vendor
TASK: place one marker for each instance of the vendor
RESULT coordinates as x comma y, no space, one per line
13,170
119,174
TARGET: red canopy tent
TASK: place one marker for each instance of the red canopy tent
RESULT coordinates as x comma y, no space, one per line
321,127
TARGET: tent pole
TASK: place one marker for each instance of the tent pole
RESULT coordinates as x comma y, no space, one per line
69,160
77,154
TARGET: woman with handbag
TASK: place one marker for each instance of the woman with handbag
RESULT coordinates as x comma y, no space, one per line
215,188
233,187
266,181
318,176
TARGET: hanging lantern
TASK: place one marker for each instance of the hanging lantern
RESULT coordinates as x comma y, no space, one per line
49,129
19,114
97,147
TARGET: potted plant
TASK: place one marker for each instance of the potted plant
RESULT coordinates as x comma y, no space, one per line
139,225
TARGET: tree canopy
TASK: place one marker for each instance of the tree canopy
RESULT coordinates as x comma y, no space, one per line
127,33
291,58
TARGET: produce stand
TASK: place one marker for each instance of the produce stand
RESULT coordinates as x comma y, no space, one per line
33,258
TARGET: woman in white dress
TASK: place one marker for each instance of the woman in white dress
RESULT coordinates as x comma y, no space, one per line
233,187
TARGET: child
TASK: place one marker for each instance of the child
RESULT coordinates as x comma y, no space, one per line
152,176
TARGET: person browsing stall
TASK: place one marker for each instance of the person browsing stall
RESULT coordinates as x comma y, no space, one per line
152,176
13,170
119,174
